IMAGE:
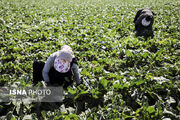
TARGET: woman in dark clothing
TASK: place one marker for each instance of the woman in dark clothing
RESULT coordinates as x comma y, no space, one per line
59,69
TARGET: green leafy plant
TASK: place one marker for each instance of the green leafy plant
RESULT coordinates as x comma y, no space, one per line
123,76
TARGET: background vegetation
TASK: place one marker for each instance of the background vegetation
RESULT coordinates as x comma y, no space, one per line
124,77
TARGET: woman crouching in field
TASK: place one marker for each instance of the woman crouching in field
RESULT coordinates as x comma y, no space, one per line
59,69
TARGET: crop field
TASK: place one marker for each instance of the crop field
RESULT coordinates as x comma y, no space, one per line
123,76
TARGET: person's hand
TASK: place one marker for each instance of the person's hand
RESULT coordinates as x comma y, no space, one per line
79,83
48,84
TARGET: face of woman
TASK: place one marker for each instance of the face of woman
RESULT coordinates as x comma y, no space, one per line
61,65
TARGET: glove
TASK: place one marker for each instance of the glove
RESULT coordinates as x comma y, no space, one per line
48,83
79,83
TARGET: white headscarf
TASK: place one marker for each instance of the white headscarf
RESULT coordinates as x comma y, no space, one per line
62,62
